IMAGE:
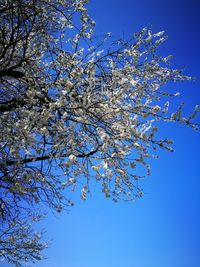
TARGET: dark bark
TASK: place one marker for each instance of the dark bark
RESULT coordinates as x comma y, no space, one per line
11,105
12,73
54,155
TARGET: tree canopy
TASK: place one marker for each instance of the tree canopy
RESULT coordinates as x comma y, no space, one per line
73,109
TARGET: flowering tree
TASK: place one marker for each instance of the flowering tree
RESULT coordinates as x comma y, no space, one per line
72,113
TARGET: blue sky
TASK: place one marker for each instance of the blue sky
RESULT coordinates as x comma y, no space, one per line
163,228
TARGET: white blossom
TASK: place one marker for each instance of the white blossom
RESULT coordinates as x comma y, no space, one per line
74,110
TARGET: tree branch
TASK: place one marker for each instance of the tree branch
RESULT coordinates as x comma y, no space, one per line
12,73
54,155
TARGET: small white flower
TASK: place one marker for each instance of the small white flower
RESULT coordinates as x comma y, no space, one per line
64,115
105,165
72,158
96,168
71,180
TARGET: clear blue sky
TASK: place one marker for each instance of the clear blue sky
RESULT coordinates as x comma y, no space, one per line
163,228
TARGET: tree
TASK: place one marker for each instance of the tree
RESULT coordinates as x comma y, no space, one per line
73,109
